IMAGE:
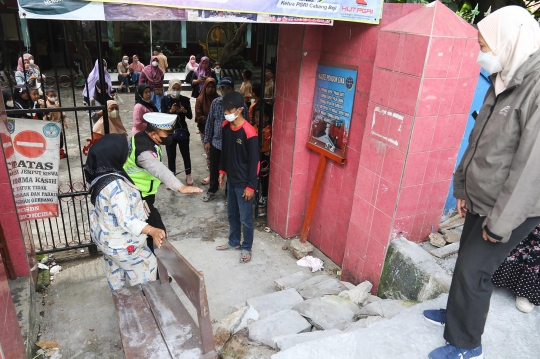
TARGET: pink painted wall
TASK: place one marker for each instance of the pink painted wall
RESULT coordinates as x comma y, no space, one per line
426,77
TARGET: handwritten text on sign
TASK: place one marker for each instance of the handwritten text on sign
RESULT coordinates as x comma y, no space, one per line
33,171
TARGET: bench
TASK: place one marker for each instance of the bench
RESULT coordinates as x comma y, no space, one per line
153,321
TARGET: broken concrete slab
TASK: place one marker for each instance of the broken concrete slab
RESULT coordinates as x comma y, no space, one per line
363,323
250,315
437,240
453,235
272,303
359,294
225,327
299,249
320,285
452,222
286,322
292,280
348,285
446,250
285,342
387,309
328,312
241,347
411,273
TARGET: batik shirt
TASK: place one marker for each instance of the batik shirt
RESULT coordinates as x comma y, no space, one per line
118,218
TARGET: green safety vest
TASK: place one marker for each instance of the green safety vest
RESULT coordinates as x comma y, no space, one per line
148,184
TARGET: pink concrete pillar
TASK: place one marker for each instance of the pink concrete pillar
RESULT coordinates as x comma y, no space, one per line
423,84
11,342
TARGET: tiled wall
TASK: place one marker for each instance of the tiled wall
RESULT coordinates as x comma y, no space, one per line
423,85
11,342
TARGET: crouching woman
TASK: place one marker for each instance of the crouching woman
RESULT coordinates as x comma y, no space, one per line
118,220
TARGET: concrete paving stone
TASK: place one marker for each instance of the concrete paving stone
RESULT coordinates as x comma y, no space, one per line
409,336
328,312
286,322
292,280
387,308
363,323
288,341
453,235
250,316
437,240
320,285
272,303
359,294
299,249
348,285
225,327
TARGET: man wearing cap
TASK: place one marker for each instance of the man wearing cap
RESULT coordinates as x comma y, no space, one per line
240,163
162,59
145,168
212,135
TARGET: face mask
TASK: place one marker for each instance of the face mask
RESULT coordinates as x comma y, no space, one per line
126,61
9,103
165,141
105,68
31,62
52,99
114,113
231,117
154,63
489,62
175,94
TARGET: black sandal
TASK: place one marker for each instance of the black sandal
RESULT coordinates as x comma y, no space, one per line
209,197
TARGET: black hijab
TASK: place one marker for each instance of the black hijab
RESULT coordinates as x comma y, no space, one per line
19,101
139,98
105,163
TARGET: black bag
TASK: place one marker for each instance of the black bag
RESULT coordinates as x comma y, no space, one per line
180,134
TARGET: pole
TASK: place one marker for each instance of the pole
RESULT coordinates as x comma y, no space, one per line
151,52
313,198
261,112
104,88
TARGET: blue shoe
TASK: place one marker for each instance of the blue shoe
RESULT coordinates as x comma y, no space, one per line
436,316
451,352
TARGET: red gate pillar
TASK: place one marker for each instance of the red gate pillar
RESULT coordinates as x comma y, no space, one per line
423,85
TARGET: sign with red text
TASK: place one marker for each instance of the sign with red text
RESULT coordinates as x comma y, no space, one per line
33,169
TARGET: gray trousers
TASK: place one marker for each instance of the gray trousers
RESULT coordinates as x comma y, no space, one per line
470,292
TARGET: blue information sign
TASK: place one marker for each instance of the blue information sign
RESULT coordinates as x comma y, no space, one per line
332,107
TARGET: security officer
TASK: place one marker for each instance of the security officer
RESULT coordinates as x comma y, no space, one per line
145,168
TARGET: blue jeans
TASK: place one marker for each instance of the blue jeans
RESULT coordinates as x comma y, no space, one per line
156,100
135,77
124,80
240,212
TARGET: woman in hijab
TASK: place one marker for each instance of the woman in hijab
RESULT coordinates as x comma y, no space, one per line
174,103
93,79
27,72
118,220
152,75
496,183
142,106
200,75
202,108
192,64
123,73
8,99
115,122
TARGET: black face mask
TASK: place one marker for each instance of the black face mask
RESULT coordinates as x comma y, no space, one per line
165,141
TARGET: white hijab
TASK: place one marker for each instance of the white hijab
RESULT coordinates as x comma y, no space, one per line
513,34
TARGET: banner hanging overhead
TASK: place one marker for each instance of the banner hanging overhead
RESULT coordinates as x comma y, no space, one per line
367,11
34,170
121,11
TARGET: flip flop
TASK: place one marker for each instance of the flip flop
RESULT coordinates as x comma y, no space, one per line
189,180
227,247
209,197
206,181
243,257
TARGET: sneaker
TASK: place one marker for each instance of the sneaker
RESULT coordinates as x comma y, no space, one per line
262,201
524,305
451,352
436,316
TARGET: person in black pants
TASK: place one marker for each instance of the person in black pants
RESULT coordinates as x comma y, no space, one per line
174,103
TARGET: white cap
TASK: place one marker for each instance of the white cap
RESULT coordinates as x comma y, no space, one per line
163,121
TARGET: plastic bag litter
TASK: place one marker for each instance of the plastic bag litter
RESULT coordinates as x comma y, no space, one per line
314,263
42,266
55,269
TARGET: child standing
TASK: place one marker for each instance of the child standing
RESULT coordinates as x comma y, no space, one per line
57,116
